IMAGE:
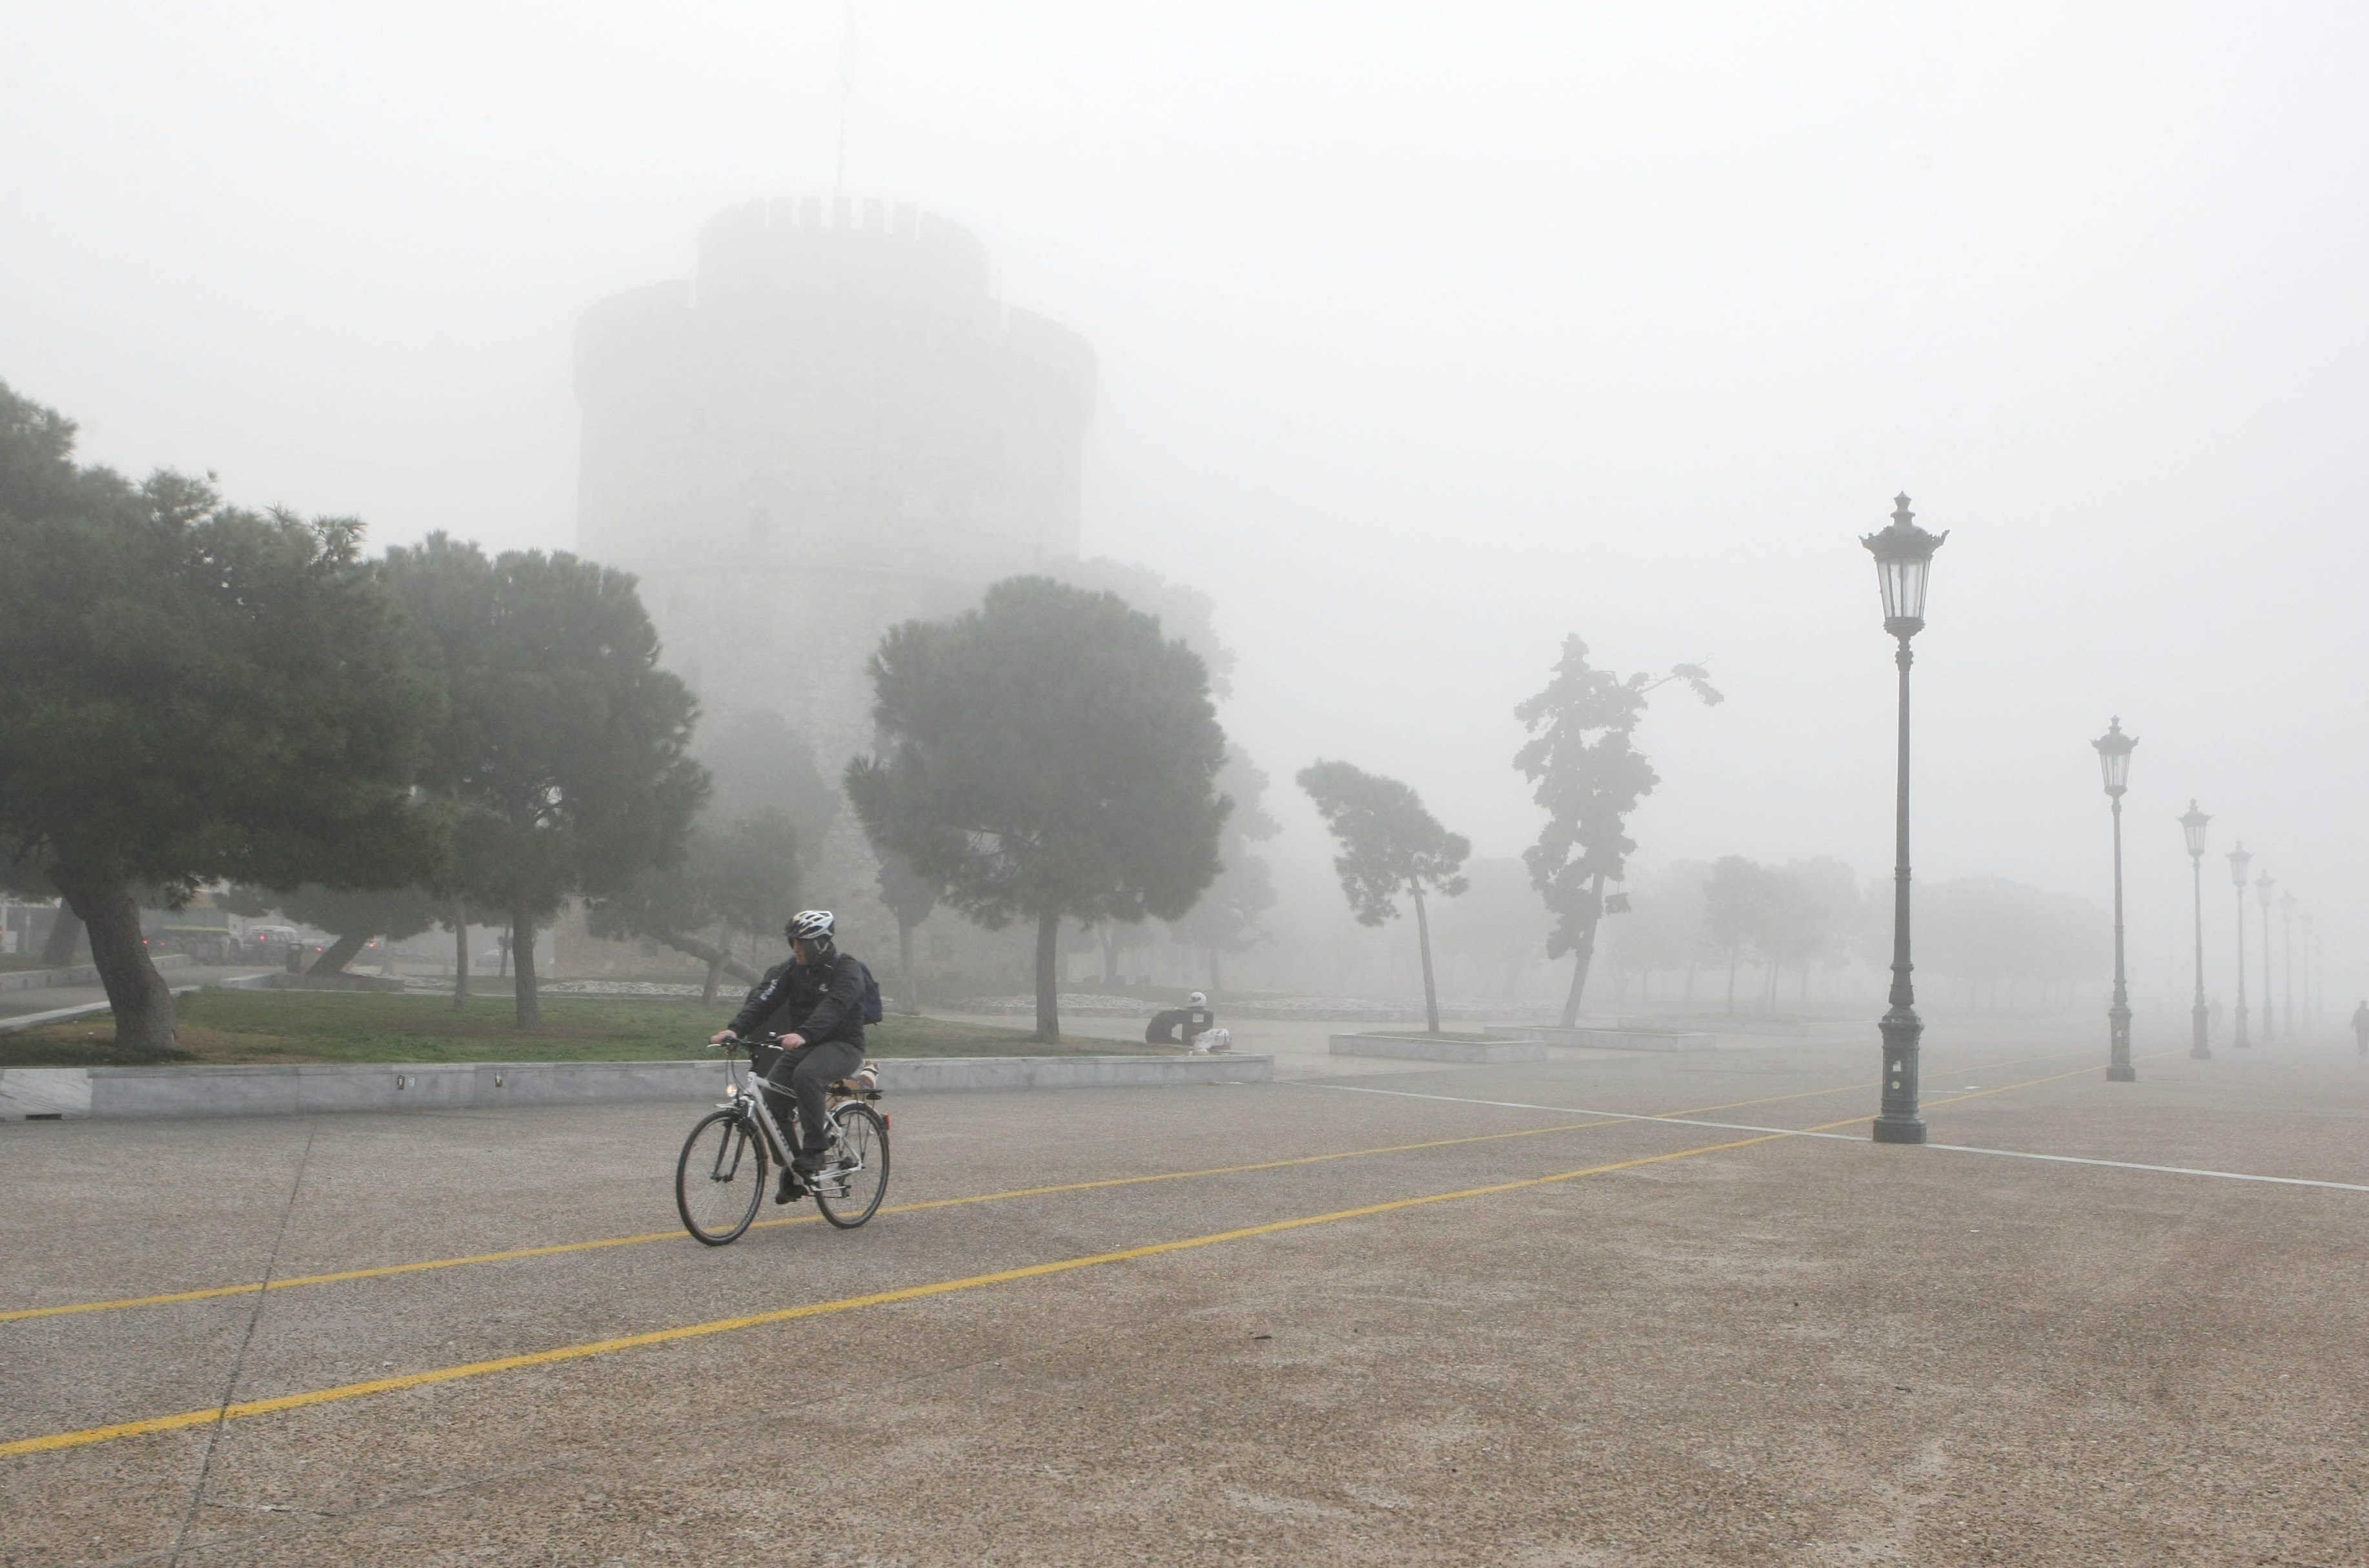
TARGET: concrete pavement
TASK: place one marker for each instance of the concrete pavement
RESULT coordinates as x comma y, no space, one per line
1407,1313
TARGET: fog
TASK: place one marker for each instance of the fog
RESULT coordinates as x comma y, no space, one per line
1425,335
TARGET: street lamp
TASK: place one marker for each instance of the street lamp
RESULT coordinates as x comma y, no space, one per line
2237,859
2114,762
2286,934
2193,826
2310,1003
2262,884
1904,559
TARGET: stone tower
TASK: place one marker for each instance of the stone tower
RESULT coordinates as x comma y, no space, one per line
833,427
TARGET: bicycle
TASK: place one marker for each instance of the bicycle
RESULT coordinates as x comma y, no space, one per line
719,1180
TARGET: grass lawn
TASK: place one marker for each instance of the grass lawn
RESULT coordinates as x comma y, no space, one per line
295,1025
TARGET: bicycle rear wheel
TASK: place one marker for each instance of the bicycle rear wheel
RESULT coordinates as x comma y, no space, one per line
854,1195
720,1179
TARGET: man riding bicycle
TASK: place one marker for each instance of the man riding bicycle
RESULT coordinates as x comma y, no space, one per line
816,997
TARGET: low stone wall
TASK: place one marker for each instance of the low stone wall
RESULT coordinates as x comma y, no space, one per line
102,1092
1621,1039
1416,1047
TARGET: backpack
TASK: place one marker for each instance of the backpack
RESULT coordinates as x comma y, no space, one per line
873,1011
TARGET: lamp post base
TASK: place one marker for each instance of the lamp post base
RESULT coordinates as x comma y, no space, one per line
2198,1051
1897,1119
2118,1055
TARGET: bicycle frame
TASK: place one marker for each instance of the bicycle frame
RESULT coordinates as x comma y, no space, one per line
749,1101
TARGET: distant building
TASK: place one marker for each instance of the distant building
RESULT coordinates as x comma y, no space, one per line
833,425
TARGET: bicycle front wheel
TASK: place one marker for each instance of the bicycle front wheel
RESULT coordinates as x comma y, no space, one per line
853,1195
720,1179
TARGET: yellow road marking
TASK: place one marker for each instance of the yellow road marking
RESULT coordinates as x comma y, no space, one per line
244,1408
556,1249
241,1409
218,1292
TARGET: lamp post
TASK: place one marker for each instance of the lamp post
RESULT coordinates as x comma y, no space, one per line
2237,859
2286,934
2310,1003
2193,825
2114,762
1903,559
2262,884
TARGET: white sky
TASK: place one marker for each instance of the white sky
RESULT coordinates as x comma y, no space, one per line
1427,334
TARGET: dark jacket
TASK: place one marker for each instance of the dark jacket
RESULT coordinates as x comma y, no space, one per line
825,1002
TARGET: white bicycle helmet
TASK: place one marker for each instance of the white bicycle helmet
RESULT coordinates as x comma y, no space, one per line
810,925
1197,1000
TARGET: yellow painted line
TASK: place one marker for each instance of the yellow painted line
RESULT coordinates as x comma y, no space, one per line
241,1409
219,1292
2090,1068
244,1408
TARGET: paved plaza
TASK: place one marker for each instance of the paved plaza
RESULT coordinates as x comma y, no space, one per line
1369,1312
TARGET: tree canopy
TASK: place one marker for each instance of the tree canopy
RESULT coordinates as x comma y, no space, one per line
1498,922
1227,918
756,762
1185,612
739,877
1050,754
353,915
1983,930
1390,845
1586,771
565,747
196,692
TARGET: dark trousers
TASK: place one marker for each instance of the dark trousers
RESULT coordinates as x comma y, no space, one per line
804,1073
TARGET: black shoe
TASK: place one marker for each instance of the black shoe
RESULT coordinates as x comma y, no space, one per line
812,1165
791,1187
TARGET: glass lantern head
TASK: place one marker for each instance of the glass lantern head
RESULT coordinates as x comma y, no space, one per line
2114,756
2262,884
2193,825
2239,859
1904,559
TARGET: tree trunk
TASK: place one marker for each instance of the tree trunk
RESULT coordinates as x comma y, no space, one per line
718,959
1689,993
143,1002
1734,956
1216,975
1584,953
1512,981
65,937
1423,938
912,996
338,954
460,957
1048,978
1110,952
715,974
521,955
